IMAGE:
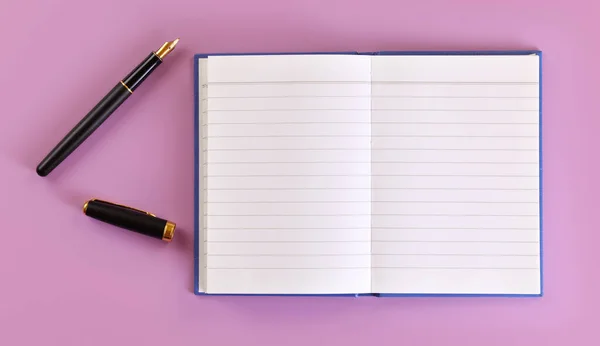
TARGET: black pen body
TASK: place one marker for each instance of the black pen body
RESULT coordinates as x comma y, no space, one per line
142,71
97,115
130,219
84,129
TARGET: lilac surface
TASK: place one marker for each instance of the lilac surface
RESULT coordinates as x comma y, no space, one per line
69,280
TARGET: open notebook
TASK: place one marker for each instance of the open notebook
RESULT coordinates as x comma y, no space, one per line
377,174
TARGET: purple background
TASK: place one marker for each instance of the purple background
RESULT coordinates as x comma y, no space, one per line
69,280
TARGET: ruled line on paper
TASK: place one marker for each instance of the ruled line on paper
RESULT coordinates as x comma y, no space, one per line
458,268
457,188
374,110
221,122
367,96
304,215
375,267
451,110
286,229
458,215
284,149
379,202
288,162
362,188
334,162
368,255
285,97
455,175
391,148
450,149
239,254
373,241
381,175
365,175
288,268
372,82
455,228
288,136
287,189
378,214
373,137
288,109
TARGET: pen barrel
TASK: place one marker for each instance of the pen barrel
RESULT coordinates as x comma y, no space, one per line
142,71
129,219
86,126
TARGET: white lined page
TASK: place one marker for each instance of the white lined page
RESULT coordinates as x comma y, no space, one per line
288,174
455,164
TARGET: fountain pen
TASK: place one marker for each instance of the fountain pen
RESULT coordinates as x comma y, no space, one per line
104,109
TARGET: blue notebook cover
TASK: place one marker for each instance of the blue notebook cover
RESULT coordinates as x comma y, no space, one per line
197,290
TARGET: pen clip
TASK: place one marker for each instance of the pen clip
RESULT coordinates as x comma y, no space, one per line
127,207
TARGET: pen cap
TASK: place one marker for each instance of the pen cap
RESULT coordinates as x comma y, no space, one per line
130,218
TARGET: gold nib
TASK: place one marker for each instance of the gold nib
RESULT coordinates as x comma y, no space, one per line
166,49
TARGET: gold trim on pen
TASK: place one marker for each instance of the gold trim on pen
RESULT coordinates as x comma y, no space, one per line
169,231
135,209
126,87
85,206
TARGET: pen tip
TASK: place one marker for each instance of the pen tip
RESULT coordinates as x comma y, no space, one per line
167,48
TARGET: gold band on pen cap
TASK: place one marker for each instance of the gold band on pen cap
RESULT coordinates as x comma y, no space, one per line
169,231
